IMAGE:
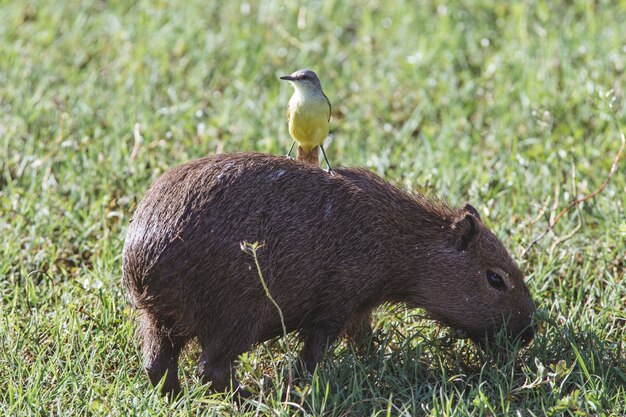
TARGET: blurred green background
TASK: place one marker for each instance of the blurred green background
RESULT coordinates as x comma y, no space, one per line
514,107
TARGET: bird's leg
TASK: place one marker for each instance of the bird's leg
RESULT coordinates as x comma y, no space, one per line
330,170
291,149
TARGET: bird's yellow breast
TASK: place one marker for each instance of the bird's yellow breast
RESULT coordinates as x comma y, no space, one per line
308,120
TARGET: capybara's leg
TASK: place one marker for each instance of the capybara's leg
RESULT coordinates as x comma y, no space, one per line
220,374
359,327
217,361
359,331
316,341
161,350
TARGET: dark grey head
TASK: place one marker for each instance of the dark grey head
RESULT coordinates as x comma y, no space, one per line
303,77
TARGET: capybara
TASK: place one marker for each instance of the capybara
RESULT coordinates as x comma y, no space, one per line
334,248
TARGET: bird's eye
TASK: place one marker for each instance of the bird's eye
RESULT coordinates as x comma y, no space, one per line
495,280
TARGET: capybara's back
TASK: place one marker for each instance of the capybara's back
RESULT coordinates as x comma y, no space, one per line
334,248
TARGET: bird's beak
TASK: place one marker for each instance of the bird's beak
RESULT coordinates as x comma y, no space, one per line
287,78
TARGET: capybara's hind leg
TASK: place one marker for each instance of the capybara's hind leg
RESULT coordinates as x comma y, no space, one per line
221,376
161,350
359,327
359,331
316,341
219,372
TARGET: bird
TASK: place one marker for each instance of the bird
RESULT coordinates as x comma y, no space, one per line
308,115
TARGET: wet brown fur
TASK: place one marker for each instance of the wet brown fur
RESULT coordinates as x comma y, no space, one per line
312,157
335,247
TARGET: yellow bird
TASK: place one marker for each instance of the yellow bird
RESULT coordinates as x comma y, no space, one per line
308,113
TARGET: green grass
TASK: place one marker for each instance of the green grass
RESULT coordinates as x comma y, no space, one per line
500,106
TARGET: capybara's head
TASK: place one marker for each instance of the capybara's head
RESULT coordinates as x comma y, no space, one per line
477,288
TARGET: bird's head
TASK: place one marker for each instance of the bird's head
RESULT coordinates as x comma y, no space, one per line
304,80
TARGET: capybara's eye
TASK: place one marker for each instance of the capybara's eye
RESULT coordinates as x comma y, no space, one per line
495,280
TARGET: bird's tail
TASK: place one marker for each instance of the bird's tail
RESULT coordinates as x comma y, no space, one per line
312,157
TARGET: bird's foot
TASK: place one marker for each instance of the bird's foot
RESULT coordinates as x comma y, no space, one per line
291,149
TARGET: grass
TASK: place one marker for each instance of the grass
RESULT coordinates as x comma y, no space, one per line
507,106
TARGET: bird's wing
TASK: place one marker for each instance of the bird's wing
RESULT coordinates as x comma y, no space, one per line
330,108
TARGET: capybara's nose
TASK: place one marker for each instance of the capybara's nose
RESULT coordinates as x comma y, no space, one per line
527,335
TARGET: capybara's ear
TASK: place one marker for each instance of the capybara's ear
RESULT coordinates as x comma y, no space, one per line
471,210
465,230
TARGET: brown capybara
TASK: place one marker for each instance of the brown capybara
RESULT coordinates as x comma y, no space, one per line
334,248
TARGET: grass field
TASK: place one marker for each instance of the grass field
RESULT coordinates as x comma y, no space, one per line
509,107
